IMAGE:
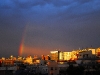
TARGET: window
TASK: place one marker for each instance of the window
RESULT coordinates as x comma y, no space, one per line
55,68
51,68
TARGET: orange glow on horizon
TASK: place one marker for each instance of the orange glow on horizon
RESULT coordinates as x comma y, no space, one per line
35,51
21,49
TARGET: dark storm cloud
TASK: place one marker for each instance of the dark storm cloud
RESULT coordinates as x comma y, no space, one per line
51,7
50,24
83,1
31,3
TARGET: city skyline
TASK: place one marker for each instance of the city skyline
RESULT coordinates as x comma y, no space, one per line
37,27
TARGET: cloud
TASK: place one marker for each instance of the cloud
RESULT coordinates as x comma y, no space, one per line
43,8
50,24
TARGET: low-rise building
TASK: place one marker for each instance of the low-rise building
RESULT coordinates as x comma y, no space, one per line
53,68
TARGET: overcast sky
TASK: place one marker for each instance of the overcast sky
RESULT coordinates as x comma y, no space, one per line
46,25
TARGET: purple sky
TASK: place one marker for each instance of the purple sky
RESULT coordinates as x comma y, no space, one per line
47,25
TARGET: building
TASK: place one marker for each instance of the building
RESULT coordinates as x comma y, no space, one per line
61,56
85,54
8,62
29,60
47,57
54,55
98,52
43,70
67,55
53,68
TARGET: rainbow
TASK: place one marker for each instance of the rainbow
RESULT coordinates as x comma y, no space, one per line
21,47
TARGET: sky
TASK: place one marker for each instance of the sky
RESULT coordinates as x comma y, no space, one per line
36,27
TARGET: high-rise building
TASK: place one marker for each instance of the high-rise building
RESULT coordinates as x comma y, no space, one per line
54,55
61,57
67,55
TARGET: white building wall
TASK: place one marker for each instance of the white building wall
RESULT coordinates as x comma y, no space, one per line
85,54
53,68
